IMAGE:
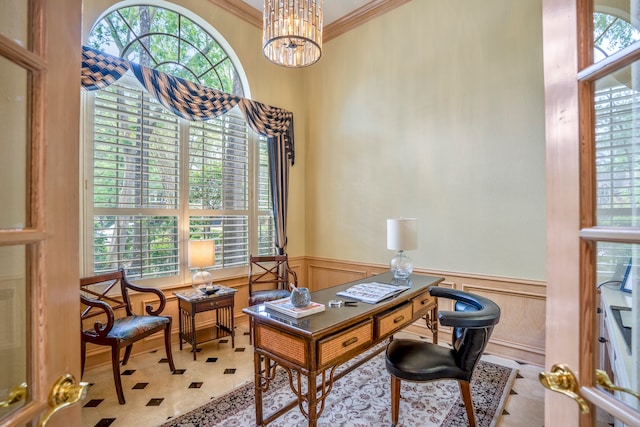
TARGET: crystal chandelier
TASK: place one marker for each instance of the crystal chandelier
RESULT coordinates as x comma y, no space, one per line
292,35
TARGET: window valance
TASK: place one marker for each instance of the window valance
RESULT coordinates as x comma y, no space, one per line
193,101
187,99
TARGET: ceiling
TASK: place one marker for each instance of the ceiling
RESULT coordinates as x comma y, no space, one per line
333,9
339,16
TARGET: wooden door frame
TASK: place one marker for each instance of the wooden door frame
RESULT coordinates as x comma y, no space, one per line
51,237
571,294
562,130
62,197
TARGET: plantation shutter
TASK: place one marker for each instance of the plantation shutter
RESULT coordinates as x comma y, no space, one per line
616,169
266,225
135,184
218,186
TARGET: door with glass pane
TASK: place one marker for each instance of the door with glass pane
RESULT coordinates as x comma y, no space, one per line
592,90
39,306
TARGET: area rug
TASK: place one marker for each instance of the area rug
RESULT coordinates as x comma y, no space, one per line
362,398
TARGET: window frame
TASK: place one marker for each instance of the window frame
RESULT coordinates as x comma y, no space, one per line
184,212
254,214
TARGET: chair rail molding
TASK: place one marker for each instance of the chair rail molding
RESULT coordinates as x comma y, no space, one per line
520,335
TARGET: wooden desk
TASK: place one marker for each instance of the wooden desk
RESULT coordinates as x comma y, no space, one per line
316,345
192,302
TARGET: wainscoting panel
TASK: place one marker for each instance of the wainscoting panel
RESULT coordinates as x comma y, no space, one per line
519,335
521,331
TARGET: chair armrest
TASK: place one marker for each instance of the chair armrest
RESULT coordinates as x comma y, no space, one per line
487,312
100,328
157,292
292,273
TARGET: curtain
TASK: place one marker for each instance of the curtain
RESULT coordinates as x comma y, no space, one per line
193,101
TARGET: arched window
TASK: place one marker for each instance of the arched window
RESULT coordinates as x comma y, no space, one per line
154,180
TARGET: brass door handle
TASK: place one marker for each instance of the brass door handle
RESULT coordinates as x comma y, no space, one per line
562,380
602,379
16,394
64,393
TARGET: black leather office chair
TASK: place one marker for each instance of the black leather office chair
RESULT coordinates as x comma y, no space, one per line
420,361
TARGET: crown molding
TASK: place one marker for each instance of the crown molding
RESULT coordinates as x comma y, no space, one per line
348,22
371,10
242,10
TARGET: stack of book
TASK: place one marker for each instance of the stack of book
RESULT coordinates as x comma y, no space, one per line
285,306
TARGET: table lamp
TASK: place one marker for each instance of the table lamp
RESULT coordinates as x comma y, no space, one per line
202,253
401,236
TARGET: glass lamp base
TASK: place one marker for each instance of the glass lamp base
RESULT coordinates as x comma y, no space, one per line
401,266
201,279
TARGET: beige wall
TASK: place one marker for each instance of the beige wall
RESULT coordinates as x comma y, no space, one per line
434,111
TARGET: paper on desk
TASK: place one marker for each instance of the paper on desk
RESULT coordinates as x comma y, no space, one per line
372,292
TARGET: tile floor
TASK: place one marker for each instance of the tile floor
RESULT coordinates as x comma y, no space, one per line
154,394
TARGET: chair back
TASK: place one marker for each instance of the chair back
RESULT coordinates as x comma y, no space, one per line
99,298
270,270
101,289
473,321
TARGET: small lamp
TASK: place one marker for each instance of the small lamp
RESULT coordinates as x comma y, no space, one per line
401,236
202,253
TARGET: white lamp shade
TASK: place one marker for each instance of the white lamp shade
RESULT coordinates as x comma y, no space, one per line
402,234
202,253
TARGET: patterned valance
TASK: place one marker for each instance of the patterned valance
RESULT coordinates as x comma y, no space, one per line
187,99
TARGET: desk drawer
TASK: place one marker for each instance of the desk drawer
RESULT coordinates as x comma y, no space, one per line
422,304
281,344
213,304
345,343
388,323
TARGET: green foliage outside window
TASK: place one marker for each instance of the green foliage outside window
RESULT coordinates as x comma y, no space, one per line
142,153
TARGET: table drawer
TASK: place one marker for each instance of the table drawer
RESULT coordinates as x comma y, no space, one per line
281,344
213,304
422,304
389,322
345,343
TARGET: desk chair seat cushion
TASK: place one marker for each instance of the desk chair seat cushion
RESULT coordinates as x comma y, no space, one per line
421,361
131,326
260,297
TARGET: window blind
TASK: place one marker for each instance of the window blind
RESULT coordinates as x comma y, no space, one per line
139,207
616,169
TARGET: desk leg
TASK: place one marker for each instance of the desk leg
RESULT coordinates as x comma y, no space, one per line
432,323
258,381
315,396
313,401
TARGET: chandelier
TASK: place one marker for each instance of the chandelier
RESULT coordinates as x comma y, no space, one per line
292,34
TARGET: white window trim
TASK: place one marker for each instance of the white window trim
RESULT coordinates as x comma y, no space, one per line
87,209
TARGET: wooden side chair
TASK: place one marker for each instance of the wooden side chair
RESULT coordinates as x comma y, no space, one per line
115,323
269,278
419,361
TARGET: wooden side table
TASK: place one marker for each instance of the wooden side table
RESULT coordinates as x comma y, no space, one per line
193,302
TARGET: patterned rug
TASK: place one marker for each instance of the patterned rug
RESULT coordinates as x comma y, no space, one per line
363,399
